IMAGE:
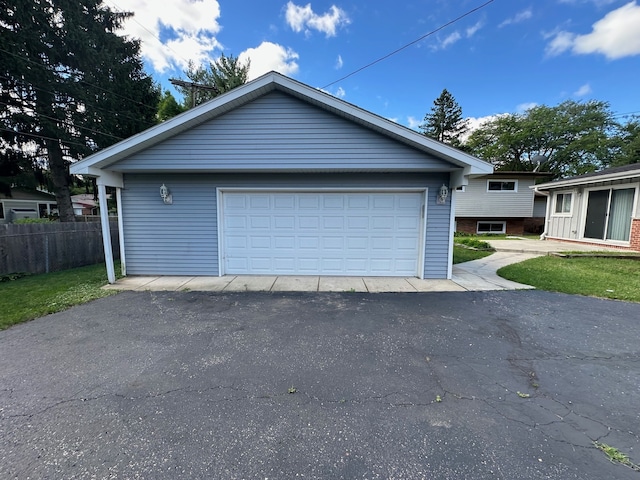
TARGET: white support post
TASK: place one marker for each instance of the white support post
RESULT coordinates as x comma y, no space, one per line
106,232
123,262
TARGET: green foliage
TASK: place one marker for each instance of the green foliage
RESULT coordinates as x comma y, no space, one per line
168,107
70,86
225,74
628,143
474,243
462,254
445,122
576,138
10,277
22,221
615,278
34,296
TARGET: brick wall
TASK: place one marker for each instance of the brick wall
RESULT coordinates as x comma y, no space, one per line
635,234
515,226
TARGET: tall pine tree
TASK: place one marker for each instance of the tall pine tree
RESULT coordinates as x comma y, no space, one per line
445,122
69,85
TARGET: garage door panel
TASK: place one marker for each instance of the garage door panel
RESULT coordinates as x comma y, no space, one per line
310,233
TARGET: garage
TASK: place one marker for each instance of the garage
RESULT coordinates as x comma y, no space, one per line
342,233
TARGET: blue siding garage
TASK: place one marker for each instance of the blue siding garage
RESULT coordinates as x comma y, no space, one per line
276,177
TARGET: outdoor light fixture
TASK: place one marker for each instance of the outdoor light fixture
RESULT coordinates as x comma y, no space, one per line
167,198
443,193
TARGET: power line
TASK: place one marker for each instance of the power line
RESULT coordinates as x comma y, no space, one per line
411,43
35,135
93,106
79,78
65,122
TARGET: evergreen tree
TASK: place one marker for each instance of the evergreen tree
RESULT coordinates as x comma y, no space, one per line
445,122
168,107
226,73
69,86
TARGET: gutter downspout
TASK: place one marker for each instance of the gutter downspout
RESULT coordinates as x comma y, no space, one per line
544,234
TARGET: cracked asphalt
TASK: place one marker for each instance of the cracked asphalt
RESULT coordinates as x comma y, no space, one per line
172,385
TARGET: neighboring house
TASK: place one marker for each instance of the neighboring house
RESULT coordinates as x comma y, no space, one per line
601,208
84,204
502,202
279,178
25,203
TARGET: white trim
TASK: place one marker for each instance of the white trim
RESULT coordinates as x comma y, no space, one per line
106,233
503,222
123,259
220,212
582,221
502,180
555,213
452,229
585,181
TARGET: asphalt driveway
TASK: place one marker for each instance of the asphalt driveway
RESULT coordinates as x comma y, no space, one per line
473,385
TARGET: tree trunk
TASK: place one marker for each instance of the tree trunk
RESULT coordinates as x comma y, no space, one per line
60,178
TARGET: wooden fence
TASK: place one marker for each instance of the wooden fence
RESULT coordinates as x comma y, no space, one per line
50,247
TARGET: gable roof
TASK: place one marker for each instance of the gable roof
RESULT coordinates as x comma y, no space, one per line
261,86
28,194
608,174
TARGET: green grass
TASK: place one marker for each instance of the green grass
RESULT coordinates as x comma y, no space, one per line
34,296
461,254
613,278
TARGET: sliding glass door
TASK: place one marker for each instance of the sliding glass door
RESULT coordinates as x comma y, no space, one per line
609,214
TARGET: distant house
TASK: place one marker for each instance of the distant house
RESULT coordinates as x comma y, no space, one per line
24,203
601,208
502,202
85,204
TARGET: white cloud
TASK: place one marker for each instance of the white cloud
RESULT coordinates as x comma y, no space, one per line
473,29
413,122
304,18
518,17
340,93
188,27
451,39
269,57
583,91
615,36
339,62
523,107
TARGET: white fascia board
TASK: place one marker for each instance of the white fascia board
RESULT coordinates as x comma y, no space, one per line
588,180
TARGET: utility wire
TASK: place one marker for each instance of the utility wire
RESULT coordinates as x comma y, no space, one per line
411,43
65,122
95,107
80,79
35,135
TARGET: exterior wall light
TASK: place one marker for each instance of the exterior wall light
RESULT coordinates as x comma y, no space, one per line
443,193
166,196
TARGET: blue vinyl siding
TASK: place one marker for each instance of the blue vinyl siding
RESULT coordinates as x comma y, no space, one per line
279,132
182,238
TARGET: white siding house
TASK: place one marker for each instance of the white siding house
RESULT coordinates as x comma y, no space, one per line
502,202
276,177
601,208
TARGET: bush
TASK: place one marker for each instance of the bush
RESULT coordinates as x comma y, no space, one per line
474,243
23,221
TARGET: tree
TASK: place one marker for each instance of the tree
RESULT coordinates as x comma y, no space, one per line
69,85
628,142
445,122
226,73
168,107
575,137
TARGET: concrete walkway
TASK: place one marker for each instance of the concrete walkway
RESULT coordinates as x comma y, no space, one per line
476,275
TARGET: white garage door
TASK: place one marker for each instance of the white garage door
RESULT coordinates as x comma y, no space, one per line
312,233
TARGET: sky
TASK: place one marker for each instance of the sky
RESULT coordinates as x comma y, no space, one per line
493,56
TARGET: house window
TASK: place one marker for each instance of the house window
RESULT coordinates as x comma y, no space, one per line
563,203
502,185
491,227
461,188
1,210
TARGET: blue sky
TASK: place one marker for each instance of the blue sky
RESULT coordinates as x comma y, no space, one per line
504,57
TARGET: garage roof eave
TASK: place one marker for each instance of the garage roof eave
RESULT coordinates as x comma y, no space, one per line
259,87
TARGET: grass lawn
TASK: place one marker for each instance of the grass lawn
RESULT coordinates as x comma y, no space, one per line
34,296
597,277
461,254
